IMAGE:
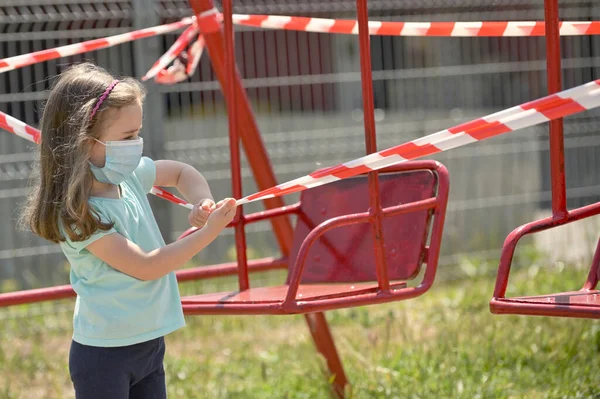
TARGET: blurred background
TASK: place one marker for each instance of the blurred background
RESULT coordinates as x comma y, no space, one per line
306,95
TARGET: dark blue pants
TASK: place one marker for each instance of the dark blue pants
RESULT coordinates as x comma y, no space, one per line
127,372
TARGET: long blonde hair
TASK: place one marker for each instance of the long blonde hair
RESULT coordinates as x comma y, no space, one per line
64,180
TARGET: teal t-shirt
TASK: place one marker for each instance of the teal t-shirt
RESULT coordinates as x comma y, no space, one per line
112,308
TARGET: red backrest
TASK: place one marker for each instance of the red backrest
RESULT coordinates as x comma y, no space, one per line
346,254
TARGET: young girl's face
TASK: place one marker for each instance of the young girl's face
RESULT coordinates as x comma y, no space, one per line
117,124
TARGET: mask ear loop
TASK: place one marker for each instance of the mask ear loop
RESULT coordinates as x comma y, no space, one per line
95,139
139,138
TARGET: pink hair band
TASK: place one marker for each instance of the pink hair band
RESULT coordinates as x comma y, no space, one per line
103,97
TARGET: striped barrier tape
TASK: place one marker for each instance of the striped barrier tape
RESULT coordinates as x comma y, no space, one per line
32,134
567,102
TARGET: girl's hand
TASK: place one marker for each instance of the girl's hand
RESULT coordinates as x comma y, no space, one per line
218,204
222,213
199,215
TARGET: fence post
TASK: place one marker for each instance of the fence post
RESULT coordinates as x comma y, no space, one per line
145,53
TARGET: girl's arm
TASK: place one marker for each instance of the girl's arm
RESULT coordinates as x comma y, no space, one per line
188,181
191,184
129,258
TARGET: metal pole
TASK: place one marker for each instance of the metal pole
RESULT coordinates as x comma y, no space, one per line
557,145
234,145
366,75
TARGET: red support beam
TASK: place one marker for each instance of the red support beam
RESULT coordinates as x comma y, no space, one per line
557,145
319,330
255,150
366,77
234,146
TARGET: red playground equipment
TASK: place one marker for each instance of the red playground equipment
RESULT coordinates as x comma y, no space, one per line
337,246
357,241
364,229
584,303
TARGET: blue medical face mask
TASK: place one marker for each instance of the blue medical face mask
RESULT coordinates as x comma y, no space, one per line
122,158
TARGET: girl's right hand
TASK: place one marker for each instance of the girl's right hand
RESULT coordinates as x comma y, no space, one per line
222,213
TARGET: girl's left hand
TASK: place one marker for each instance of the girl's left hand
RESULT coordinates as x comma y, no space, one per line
199,215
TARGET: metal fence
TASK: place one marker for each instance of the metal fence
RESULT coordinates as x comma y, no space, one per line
305,91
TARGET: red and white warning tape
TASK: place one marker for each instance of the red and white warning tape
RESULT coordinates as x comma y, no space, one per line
159,192
445,29
23,60
565,103
180,44
19,128
529,114
32,134
555,106
184,64
206,22
210,21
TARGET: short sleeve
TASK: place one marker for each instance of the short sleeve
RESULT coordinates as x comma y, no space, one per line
146,173
77,246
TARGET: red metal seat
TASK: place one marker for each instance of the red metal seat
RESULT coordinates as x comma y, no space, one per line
333,259
584,303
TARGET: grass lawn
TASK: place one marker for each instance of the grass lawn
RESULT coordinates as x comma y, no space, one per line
445,344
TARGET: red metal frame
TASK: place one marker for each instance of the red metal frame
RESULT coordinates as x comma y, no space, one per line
192,274
557,145
234,146
366,77
240,117
586,302
243,125
561,304
285,299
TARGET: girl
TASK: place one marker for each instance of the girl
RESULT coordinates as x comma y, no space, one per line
91,198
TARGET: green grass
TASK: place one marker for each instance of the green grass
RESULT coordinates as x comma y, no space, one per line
445,344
